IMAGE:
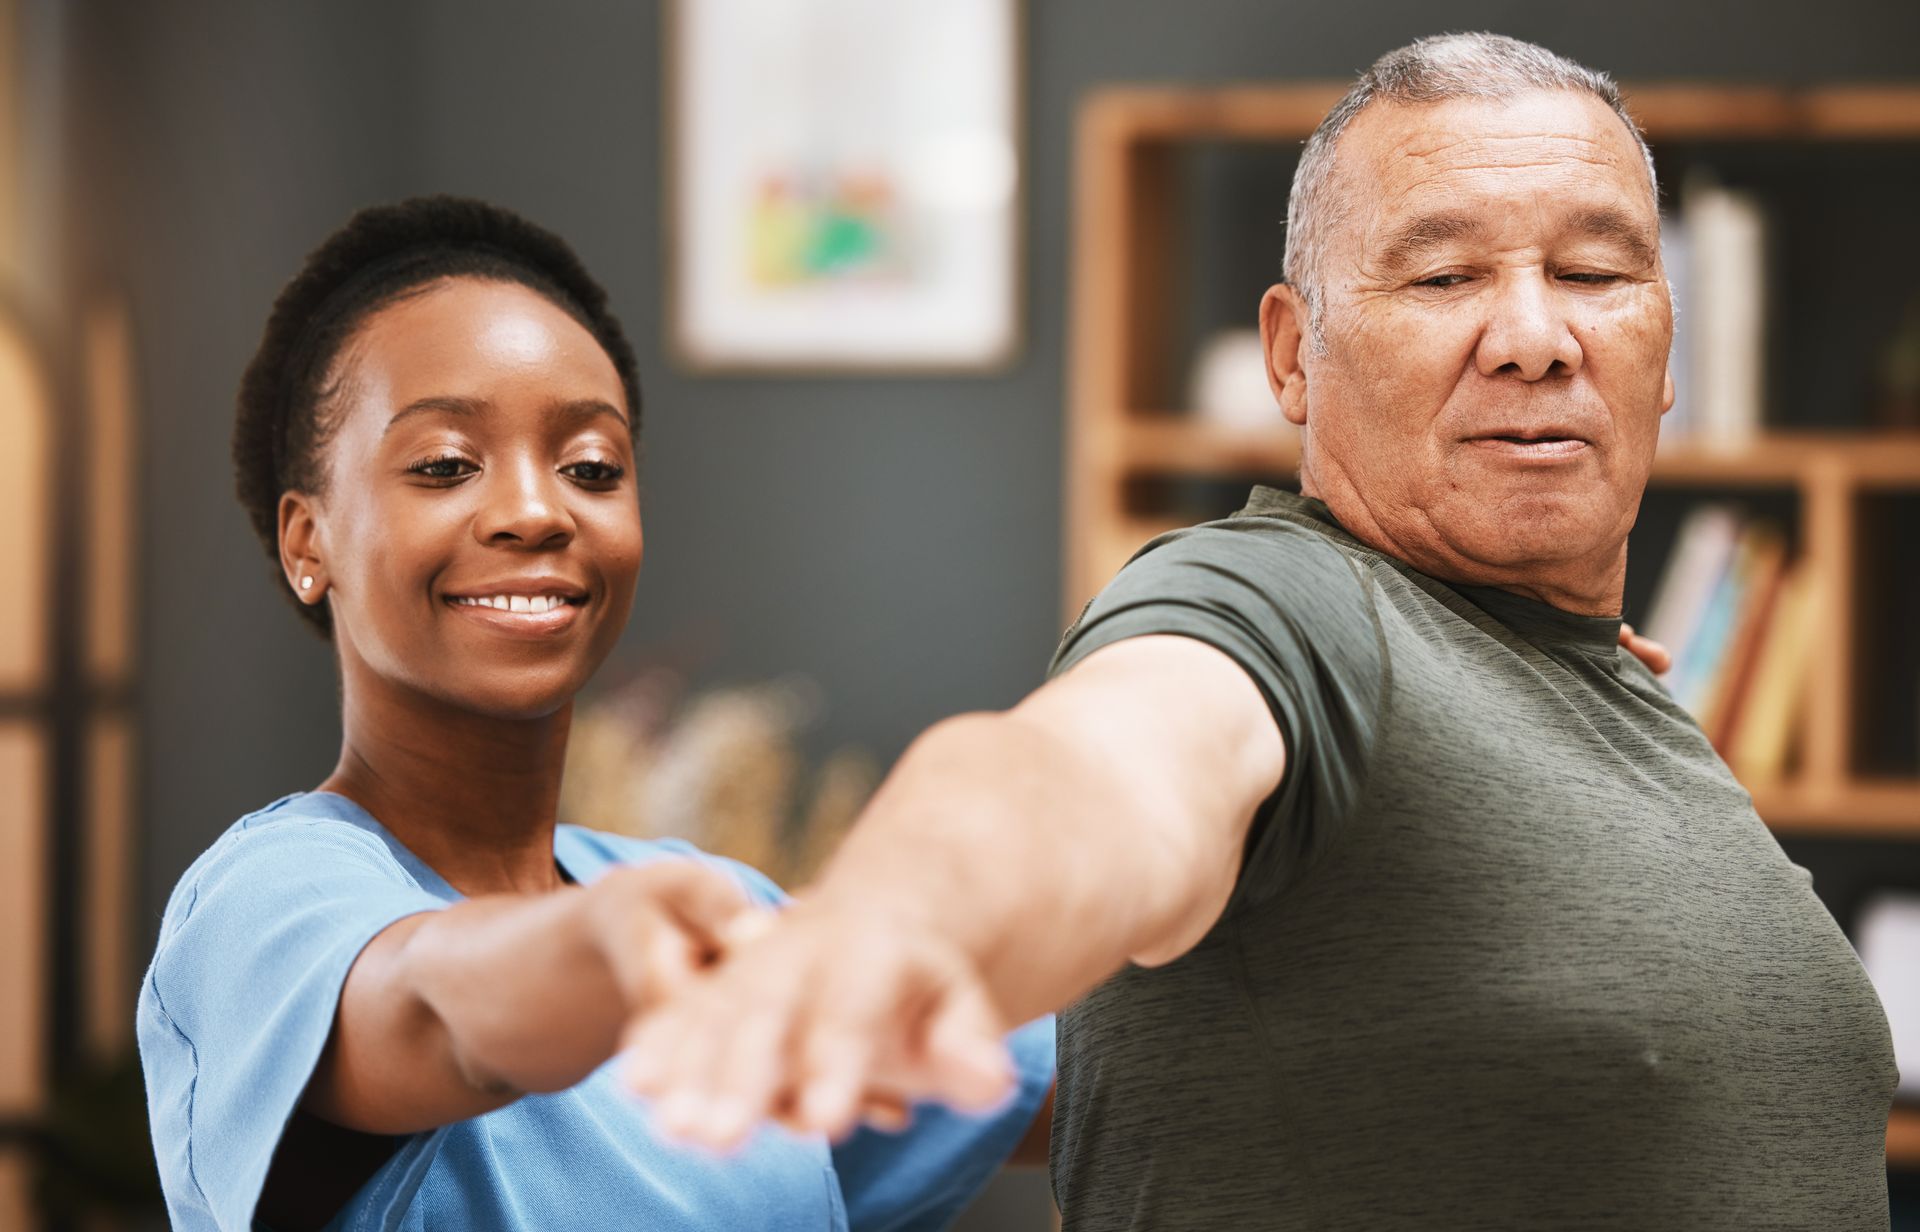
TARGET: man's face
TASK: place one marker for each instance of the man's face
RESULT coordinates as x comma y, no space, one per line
1497,326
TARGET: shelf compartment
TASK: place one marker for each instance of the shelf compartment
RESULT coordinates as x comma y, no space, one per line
1174,444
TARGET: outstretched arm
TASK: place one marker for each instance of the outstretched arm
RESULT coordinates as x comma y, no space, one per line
449,1014
1009,863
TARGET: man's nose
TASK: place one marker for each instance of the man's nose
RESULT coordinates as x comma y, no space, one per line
523,505
1528,333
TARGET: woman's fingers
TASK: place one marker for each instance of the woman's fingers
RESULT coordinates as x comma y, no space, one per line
664,921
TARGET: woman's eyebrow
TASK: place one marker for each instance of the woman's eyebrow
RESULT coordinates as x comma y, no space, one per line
570,408
446,405
586,408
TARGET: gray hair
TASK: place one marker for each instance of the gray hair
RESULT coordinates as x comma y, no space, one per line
1441,67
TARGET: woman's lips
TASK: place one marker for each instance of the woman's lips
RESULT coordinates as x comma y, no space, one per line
556,619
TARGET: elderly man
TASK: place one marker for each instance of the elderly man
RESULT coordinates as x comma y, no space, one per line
1385,889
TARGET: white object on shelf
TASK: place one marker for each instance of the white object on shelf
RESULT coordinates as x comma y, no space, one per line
1888,938
1229,384
1726,343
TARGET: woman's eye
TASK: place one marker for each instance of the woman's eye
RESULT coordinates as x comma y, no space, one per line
442,468
594,471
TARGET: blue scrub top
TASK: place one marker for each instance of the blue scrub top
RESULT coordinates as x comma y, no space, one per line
254,948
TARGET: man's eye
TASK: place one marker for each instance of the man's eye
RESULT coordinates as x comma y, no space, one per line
1442,280
594,471
1590,279
448,467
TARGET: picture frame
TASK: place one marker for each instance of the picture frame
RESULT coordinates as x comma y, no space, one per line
844,183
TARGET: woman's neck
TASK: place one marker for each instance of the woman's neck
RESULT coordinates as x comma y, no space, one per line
472,795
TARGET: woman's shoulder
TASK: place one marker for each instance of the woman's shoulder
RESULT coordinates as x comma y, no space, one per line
295,837
587,853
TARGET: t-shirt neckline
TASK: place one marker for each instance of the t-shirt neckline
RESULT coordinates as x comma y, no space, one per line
1540,623
344,808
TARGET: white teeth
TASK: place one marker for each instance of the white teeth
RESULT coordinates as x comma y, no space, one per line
532,605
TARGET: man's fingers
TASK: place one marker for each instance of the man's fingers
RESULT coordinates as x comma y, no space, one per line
890,1114
836,1067
966,1052
742,1083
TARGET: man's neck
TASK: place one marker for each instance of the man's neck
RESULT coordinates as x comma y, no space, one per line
1587,586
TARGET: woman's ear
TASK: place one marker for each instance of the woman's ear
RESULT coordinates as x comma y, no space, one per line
300,555
1283,334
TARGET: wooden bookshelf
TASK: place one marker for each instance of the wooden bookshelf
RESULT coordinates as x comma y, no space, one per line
1903,1137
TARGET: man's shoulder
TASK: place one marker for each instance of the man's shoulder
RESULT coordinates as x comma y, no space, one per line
1281,561
1265,580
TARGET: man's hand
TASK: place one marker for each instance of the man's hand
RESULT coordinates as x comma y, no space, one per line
1657,657
820,1022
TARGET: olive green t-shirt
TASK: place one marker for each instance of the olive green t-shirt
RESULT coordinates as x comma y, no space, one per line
1510,947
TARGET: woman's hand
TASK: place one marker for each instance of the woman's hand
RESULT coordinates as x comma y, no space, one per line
658,924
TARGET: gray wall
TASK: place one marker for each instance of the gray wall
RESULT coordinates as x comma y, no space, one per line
896,539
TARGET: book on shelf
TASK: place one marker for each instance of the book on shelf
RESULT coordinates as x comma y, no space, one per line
1715,253
1764,730
1700,555
1766,571
1739,618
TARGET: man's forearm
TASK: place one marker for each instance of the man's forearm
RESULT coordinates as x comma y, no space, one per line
1023,850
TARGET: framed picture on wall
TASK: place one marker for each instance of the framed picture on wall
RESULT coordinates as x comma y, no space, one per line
844,179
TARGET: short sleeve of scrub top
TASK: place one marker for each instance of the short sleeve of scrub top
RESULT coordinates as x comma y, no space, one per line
238,1003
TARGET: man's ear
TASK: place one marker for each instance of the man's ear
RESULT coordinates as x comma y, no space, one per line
1283,335
300,554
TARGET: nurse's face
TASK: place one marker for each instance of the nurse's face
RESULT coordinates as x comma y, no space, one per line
480,527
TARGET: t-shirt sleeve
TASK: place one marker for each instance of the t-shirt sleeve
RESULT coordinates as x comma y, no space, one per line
1290,609
240,999
920,1179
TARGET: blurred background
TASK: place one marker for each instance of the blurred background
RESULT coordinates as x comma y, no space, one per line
913,389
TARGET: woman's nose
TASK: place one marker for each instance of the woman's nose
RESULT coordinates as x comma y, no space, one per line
523,505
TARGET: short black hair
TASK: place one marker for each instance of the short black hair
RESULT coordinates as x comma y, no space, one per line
381,255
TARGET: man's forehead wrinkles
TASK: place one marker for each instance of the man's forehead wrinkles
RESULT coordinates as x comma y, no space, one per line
1428,144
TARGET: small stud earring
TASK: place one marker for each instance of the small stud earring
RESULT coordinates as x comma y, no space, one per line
306,583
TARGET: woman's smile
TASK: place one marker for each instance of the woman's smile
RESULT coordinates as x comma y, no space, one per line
532,608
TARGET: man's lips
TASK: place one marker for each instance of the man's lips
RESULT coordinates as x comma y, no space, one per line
1545,447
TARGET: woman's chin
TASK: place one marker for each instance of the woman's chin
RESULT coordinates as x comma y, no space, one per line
521,700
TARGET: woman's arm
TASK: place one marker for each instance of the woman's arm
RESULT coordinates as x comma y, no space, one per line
449,1014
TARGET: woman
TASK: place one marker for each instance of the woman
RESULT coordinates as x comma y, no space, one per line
391,1002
